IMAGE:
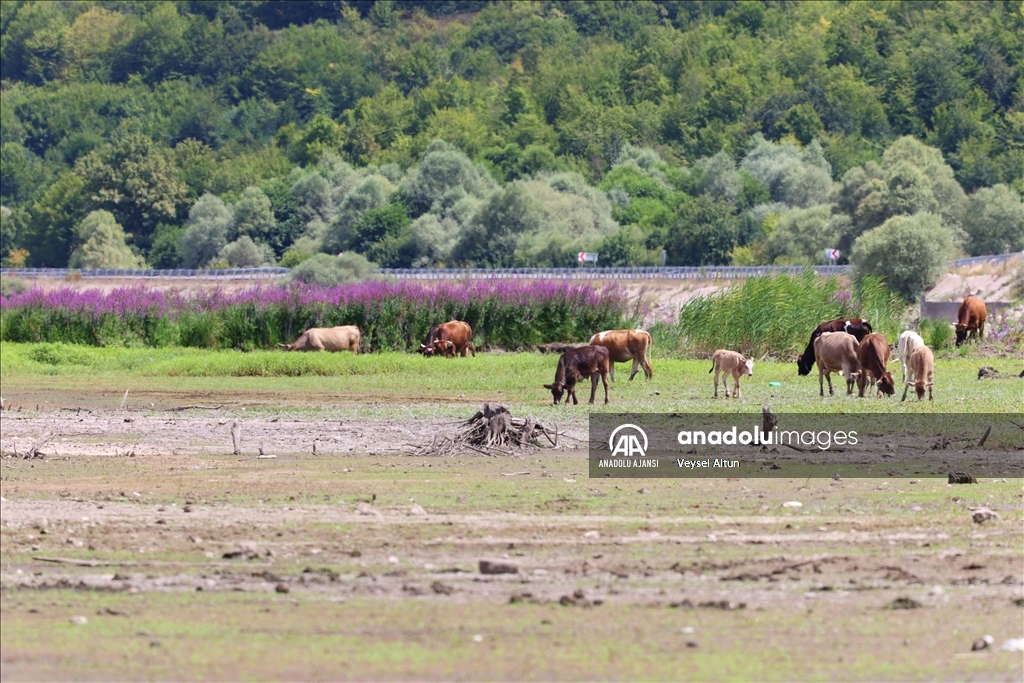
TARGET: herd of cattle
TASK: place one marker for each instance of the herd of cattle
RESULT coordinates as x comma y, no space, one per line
847,346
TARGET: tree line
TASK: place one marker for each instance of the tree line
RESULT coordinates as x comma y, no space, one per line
198,133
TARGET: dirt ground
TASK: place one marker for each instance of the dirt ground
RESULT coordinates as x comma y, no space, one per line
122,504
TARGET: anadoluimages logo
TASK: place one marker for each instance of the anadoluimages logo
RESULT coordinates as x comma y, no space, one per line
628,445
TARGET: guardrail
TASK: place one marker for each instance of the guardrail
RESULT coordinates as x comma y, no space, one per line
586,273
225,274
581,273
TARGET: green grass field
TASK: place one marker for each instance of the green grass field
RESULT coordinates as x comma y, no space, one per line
514,379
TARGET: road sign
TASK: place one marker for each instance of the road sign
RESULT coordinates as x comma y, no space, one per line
832,254
585,256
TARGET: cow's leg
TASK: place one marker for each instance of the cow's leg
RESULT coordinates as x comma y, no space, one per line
611,368
604,379
648,371
593,387
636,369
716,383
736,386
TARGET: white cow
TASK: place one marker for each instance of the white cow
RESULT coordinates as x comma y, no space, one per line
909,341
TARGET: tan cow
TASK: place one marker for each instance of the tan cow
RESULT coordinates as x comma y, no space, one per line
836,352
921,366
624,346
344,338
731,363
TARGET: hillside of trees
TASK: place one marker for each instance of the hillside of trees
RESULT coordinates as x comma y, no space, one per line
200,134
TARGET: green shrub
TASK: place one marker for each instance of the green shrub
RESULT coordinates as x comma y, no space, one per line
937,334
57,354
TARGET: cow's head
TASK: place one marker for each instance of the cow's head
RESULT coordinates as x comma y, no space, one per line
425,350
802,366
961,333
443,347
749,363
886,385
919,389
287,347
557,390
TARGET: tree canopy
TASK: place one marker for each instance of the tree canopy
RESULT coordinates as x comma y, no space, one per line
418,132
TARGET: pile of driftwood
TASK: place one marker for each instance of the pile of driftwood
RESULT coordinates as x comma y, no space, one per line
492,431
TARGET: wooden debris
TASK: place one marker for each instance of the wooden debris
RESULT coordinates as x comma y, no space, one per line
491,431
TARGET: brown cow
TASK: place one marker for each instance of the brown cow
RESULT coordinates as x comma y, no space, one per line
858,327
344,338
970,319
836,352
455,332
627,345
576,364
873,356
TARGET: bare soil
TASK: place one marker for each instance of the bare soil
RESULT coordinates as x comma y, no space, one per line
121,504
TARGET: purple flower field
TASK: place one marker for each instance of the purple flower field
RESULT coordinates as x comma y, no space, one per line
392,315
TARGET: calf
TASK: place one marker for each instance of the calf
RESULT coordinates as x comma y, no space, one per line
970,319
576,364
858,327
730,363
909,341
344,338
836,352
624,346
456,332
873,356
922,371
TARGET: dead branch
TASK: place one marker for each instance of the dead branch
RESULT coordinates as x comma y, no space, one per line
492,431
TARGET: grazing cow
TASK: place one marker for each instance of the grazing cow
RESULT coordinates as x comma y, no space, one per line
836,352
909,341
577,364
858,327
344,338
730,363
627,345
873,356
970,319
456,333
922,372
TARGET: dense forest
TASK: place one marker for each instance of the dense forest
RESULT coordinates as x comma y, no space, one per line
415,133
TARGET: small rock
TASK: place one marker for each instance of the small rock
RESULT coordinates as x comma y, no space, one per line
281,588
478,638
417,511
441,588
79,620
493,567
792,504
904,603
982,643
392,560
367,509
981,515
644,490
592,534
936,590
691,644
